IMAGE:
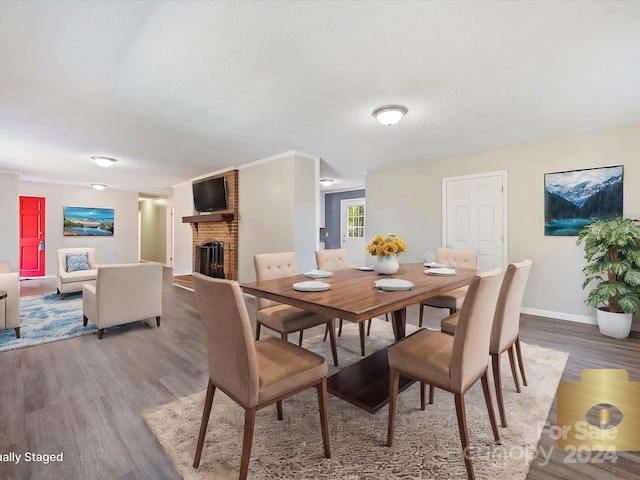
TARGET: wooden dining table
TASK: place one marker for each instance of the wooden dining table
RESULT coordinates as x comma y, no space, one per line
354,297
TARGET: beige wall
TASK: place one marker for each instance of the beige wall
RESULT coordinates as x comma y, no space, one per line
10,219
153,230
278,210
121,248
408,201
182,247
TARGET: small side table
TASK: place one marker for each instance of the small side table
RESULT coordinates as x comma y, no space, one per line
3,306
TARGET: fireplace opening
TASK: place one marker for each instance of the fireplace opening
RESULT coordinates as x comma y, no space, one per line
210,259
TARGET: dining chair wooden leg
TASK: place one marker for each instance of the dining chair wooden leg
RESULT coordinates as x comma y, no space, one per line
487,400
340,328
324,422
421,313
361,327
247,441
394,378
497,382
326,332
369,326
512,362
519,353
332,340
464,433
300,338
423,395
206,411
279,409
258,331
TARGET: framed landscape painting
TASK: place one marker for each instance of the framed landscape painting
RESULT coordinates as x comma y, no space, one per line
577,198
83,221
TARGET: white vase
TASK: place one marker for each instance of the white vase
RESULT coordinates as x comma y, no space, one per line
386,264
616,325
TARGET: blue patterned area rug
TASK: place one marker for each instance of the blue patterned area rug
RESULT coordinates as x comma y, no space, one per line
45,319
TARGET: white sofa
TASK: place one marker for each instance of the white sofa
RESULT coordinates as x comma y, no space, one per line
123,293
10,306
73,281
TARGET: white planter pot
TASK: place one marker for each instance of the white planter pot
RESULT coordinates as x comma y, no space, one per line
616,325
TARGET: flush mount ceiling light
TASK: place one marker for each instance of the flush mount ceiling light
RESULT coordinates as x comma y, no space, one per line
104,161
99,186
390,114
326,182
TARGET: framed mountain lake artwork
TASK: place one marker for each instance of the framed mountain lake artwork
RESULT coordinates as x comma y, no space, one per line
577,198
85,221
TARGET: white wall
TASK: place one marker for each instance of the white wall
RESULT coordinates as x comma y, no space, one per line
10,219
554,289
121,248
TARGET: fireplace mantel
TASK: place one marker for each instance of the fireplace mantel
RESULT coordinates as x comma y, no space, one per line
212,217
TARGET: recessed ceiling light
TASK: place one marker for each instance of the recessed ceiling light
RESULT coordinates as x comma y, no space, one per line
390,114
104,161
99,186
326,182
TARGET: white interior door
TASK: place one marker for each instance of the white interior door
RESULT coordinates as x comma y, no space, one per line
475,216
352,229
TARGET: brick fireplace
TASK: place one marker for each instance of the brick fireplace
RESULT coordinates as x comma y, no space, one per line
218,228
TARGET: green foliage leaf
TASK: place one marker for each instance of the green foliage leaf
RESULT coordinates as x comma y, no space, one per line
612,252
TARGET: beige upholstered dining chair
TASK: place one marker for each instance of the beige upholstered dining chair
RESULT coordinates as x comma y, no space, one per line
338,259
286,319
254,375
453,299
505,334
455,363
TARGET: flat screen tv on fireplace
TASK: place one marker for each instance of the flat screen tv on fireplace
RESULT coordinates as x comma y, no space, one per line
210,195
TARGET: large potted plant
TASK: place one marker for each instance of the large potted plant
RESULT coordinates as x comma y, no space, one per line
612,251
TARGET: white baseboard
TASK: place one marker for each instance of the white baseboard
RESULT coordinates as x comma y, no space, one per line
182,286
569,317
560,316
43,277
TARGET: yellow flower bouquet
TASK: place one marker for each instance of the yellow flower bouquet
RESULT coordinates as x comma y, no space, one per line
389,244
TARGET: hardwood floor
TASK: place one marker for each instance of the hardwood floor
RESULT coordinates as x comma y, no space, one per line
84,397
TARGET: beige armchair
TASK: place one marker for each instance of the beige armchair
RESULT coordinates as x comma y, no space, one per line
72,281
123,293
451,300
10,305
253,374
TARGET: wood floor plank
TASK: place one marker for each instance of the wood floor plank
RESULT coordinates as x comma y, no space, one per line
86,396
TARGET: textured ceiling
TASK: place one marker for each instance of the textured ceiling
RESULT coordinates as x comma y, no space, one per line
175,89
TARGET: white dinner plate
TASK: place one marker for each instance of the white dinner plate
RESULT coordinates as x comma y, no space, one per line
364,268
311,286
440,271
393,284
434,265
315,273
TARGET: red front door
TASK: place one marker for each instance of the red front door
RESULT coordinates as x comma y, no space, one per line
32,236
